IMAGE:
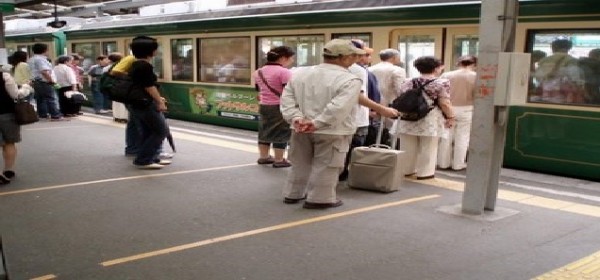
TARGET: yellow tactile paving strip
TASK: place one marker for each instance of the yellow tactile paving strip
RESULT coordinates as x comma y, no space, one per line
586,268
538,201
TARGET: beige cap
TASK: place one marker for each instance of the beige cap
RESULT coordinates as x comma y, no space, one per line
338,47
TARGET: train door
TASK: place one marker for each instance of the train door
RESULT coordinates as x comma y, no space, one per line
414,43
460,41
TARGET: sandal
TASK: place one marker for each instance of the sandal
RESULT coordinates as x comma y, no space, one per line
267,160
281,164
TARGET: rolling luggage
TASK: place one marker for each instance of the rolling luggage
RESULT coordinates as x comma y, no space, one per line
376,168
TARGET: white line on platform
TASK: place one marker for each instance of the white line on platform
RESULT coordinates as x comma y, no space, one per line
123,179
261,230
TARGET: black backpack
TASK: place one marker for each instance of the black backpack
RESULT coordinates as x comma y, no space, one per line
122,89
412,104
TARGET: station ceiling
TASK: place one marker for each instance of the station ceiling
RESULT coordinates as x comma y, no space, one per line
79,8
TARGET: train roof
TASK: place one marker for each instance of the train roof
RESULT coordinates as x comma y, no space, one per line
266,16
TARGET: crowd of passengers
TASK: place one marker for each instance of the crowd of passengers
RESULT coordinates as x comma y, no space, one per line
322,111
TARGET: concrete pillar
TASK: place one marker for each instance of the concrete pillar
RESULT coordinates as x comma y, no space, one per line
488,129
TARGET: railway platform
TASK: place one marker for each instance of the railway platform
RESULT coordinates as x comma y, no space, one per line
79,209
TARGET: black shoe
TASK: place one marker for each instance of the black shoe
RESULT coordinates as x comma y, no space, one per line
4,180
288,200
312,205
343,176
9,174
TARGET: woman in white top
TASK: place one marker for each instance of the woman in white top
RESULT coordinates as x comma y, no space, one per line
419,139
20,70
67,81
10,131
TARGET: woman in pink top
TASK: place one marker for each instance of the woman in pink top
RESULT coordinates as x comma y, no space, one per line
272,128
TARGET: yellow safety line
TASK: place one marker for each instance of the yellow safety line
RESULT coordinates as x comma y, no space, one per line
186,136
45,277
123,179
528,199
260,230
586,268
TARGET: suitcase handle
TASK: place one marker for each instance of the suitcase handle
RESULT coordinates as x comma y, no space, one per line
382,146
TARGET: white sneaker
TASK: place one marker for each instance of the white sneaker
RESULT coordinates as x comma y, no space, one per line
164,161
150,166
165,155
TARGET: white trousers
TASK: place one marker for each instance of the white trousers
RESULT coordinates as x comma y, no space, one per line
453,150
421,154
119,111
317,160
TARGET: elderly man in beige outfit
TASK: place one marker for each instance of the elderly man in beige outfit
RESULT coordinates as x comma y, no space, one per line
319,102
452,151
389,77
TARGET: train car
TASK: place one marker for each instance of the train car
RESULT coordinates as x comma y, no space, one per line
206,60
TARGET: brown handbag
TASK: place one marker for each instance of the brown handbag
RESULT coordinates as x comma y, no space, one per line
24,112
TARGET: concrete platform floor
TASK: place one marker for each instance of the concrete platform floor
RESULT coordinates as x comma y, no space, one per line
78,209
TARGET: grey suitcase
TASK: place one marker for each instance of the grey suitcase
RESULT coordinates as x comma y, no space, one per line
376,168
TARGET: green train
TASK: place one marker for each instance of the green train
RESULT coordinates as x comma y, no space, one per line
206,59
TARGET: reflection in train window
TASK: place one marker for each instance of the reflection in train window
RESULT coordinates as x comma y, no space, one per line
565,67
182,58
309,48
225,60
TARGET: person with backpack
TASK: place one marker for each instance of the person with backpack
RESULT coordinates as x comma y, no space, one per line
148,112
420,132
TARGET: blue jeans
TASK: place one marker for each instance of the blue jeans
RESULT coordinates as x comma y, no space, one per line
46,100
98,97
154,131
133,133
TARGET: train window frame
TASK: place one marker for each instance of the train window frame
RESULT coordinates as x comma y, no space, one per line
247,79
261,54
577,88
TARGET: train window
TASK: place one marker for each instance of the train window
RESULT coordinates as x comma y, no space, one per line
89,51
565,67
157,61
414,46
464,45
182,57
109,47
365,37
308,48
224,60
